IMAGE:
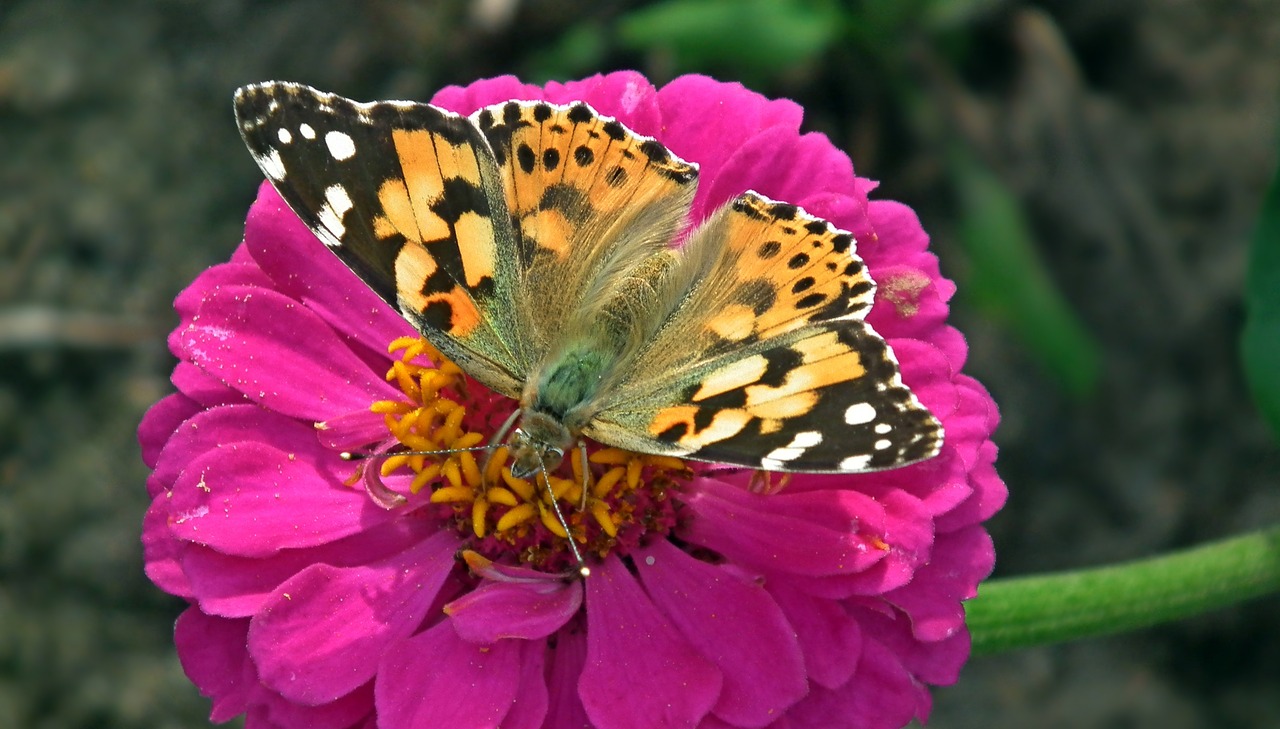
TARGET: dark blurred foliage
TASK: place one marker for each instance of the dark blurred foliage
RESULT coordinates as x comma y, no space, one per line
1090,172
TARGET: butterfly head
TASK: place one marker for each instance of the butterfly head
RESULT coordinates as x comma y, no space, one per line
538,444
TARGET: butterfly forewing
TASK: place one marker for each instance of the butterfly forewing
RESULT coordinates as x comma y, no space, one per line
590,200
410,198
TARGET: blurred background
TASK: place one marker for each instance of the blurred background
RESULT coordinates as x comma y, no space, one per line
1090,172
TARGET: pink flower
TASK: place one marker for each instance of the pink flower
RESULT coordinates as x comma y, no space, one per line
324,596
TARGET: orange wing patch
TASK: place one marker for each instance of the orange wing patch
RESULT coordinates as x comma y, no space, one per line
790,269
570,172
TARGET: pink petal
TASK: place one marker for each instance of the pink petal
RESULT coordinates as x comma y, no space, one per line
881,695
932,599
211,428
162,553
735,624
564,673
625,95
989,493
727,115
640,672
530,708
831,641
487,92
934,662
436,679
255,341
213,656
498,610
232,586
205,389
341,713
808,533
324,630
253,500
160,421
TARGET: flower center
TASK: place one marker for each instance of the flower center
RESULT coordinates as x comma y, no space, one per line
609,503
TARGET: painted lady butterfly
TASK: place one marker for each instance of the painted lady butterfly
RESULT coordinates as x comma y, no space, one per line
532,244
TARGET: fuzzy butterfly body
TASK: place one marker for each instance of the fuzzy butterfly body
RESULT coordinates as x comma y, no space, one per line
535,245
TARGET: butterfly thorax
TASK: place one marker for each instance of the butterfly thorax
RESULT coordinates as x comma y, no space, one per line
557,404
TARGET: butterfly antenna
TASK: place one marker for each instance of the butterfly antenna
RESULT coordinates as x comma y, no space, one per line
555,506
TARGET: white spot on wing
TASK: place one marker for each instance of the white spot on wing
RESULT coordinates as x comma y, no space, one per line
882,428
271,164
855,463
882,444
859,413
793,450
284,136
336,204
306,131
340,145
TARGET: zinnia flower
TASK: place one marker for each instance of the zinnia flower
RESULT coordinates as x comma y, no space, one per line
403,593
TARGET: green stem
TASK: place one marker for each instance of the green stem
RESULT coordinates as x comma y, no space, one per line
1027,611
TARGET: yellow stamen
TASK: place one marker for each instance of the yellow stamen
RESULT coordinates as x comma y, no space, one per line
549,521
478,510
518,485
516,516
451,472
600,510
470,470
451,495
499,495
611,456
633,473
606,482
425,476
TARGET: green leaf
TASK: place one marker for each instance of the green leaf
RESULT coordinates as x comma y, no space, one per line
1010,282
1260,341
749,37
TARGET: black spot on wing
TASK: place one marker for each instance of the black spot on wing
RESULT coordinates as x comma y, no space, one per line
460,197
580,114
568,199
526,158
615,130
769,249
759,294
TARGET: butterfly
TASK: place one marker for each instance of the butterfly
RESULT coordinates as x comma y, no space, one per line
545,249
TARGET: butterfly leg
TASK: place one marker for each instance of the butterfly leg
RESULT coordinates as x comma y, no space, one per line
582,454
497,438
555,506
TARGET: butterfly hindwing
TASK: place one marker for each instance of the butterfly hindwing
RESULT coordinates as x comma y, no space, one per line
767,362
410,198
